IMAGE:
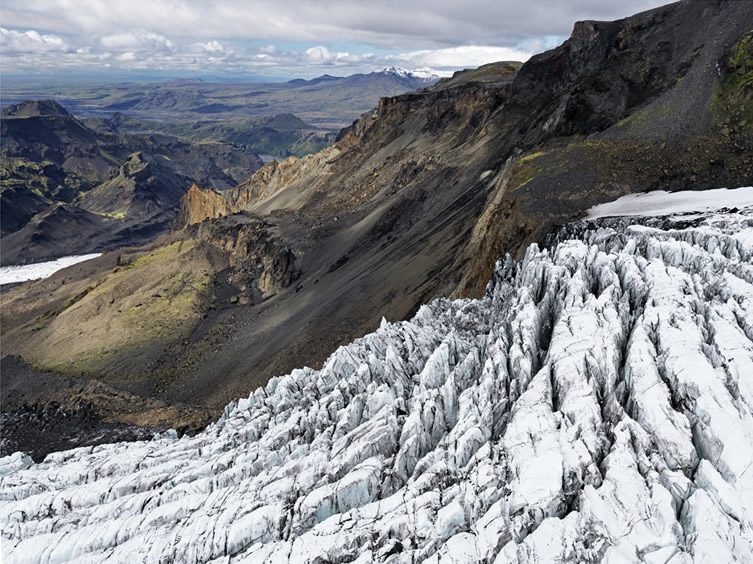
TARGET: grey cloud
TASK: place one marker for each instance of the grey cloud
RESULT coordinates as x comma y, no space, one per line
387,23
196,36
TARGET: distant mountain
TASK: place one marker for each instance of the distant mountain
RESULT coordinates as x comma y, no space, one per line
35,108
328,103
279,135
48,157
388,77
200,98
419,77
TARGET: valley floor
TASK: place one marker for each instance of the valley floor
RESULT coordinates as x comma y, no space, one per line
594,405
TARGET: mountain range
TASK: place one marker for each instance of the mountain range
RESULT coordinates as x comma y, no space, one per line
68,189
327,102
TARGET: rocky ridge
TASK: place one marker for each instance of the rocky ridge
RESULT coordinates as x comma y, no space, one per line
129,184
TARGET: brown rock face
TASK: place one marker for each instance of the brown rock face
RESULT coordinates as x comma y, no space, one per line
198,205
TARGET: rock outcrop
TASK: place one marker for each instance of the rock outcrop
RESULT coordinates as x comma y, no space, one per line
198,205
255,250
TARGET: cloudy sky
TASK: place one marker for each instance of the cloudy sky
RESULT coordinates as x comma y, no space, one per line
283,38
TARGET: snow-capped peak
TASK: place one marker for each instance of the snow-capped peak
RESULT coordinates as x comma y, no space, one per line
398,71
424,74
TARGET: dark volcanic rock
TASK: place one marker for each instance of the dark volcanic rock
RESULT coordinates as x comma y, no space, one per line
43,413
133,182
30,108
256,250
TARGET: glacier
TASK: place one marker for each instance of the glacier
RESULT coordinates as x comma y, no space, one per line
38,270
594,405
660,202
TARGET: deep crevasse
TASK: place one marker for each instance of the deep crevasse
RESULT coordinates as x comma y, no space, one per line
595,405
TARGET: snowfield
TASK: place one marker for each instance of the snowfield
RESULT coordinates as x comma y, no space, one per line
659,202
39,270
595,405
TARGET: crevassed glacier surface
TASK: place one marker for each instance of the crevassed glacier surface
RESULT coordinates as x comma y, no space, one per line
594,406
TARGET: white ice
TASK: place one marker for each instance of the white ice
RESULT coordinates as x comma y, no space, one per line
39,270
659,202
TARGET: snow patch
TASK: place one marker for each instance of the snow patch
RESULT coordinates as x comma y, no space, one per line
660,203
39,270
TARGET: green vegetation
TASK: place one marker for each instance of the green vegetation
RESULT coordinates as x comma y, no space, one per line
44,178
733,99
168,252
531,156
153,299
524,170
172,313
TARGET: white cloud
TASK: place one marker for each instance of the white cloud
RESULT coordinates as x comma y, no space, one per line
348,35
12,41
213,46
464,56
138,40
139,49
319,54
395,24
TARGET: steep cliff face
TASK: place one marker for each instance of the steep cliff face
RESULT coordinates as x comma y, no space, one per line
198,205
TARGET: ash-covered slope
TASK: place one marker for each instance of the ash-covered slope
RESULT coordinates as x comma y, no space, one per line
594,405
419,198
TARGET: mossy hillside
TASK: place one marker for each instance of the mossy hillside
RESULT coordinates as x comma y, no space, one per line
95,206
733,100
155,298
24,173
44,178
525,169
